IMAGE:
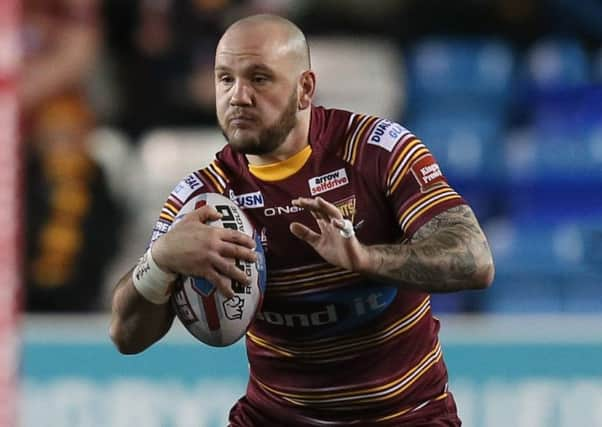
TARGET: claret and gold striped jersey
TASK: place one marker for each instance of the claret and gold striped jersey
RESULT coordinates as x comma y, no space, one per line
330,347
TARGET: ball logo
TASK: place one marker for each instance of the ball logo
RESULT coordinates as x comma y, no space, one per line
209,315
233,307
202,286
186,313
232,219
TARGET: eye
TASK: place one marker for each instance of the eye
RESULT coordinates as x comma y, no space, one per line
225,78
260,78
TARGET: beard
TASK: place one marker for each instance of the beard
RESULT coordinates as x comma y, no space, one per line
270,137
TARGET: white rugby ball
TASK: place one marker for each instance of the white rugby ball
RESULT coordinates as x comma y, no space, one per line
206,313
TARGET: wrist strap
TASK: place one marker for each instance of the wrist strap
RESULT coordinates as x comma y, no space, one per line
150,281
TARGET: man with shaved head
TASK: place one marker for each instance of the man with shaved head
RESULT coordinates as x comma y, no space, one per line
273,54
359,226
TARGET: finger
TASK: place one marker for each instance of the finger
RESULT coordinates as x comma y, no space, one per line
339,223
305,203
230,250
203,214
323,224
222,283
235,236
319,206
317,216
304,233
328,208
228,268
311,206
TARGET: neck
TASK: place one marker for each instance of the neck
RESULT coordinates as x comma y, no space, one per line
296,140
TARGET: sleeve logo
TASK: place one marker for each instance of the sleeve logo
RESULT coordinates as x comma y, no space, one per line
427,172
186,187
386,134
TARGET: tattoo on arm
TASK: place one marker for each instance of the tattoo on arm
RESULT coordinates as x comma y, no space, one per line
448,253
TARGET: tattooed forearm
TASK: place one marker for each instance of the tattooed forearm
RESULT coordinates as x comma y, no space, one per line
448,253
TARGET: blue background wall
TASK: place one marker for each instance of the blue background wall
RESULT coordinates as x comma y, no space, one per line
526,371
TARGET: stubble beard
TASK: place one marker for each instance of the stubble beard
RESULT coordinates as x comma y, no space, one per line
270,138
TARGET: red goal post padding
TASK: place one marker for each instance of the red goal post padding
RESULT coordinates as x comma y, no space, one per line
11,212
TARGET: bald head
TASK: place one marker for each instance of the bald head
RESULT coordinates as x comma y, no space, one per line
264,87
270,32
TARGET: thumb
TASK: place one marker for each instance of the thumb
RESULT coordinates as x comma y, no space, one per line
304,233
204,214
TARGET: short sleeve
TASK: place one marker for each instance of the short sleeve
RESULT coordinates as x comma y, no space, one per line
416,185
402,166
191,185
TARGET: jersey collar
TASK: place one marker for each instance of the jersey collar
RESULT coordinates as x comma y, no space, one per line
283,169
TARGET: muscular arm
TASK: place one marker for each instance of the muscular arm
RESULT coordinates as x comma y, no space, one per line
448,253
190,248
135,322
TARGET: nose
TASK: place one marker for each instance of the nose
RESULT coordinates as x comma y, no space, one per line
241,94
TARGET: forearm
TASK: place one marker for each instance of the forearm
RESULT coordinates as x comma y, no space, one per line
448,254
135,322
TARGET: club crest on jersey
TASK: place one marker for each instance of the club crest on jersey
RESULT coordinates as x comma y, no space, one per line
386,134
427,172
328,181
347,207
248,200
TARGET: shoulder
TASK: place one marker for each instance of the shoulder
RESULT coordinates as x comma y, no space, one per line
351,131
376,135
381,147
212,178
328,128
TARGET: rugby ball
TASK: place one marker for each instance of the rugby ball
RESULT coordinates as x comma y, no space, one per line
208,315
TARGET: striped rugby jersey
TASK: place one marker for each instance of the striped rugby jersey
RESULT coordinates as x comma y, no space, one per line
331,347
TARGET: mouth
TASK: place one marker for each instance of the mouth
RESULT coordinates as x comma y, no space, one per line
239,116
242,121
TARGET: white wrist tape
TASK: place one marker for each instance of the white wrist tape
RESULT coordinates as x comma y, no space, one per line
347,231
152,282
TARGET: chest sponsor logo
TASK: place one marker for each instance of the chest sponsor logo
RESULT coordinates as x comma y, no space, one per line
364,305
347,207
248,200
186,187
427,172
328,181
386,134
281,210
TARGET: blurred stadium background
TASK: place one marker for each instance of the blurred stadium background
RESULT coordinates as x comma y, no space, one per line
105,105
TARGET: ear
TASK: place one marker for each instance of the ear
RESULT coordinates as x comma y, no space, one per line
307,87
